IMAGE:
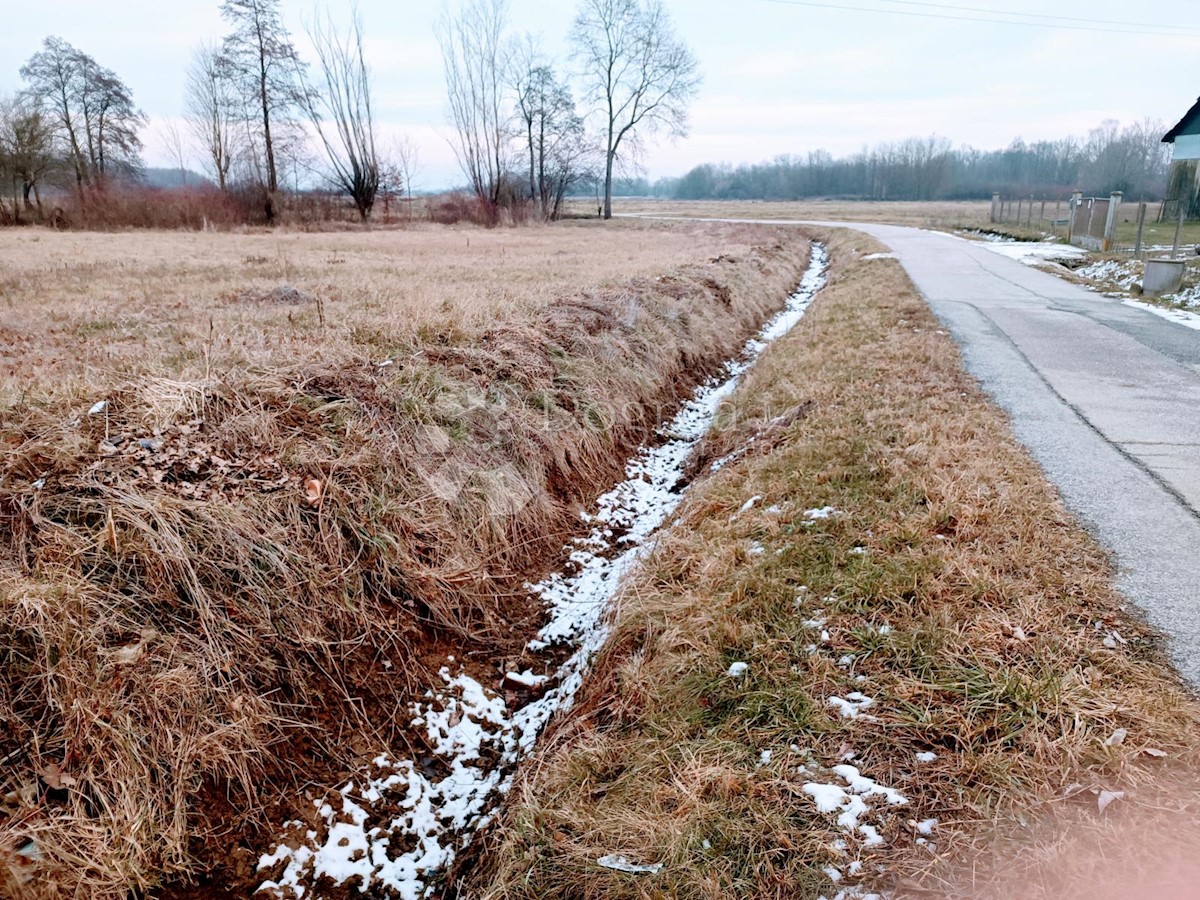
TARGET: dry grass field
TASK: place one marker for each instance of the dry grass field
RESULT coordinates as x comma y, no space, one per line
937,214
87,308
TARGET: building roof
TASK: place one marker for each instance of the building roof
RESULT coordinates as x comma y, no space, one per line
1187,125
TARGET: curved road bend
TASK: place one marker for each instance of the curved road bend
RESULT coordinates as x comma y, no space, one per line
1105,396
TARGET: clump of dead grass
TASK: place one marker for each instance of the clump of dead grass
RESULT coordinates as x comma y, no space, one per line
213,590
952,588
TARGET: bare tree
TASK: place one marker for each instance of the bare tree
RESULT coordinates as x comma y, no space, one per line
26,152
638,74
263,66
554,136
472,55
211,110
345,103
176,146
90,107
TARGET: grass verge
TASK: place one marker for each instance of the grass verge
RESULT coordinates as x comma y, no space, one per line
902,548
218,591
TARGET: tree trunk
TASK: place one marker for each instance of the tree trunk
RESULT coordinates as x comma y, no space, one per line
608,170
268,144
608,160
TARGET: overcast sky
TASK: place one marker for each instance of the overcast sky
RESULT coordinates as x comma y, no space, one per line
780,76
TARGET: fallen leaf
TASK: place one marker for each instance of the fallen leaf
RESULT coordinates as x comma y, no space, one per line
313,490
1107,797
1116,738
129,654
56,778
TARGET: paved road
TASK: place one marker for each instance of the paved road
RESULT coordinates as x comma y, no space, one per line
1105,396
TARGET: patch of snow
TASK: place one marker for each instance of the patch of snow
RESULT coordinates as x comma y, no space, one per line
1123,273
764,758
871,836
880,256
526,678
823,512
748,505
737,669
926,827
926,756
98,407
1178,316
1031,253
852,706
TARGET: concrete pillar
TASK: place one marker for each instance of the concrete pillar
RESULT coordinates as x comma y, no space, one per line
1076,198
1110,224
995,202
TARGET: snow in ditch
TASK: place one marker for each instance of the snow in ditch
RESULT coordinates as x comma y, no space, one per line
400,824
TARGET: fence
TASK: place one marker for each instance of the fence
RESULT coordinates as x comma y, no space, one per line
1103,224
1044,212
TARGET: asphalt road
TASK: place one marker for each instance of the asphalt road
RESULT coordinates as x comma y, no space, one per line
1105,396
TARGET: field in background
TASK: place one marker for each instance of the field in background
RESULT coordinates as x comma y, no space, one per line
79,309
934,214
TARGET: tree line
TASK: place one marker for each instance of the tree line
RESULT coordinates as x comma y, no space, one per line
255,110
1131,159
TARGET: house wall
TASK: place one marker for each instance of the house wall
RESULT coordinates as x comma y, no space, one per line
1187,146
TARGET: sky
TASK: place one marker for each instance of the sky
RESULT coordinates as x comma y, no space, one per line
779,76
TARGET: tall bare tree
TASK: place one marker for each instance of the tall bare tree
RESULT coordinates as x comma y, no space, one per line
639,75
555,140
472,55
345,103
90,107
259,59
211,109
26,151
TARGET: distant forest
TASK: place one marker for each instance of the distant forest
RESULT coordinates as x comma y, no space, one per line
1132,159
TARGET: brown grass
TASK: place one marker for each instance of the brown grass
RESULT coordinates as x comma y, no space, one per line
225,583
80,308
998,603
922,214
